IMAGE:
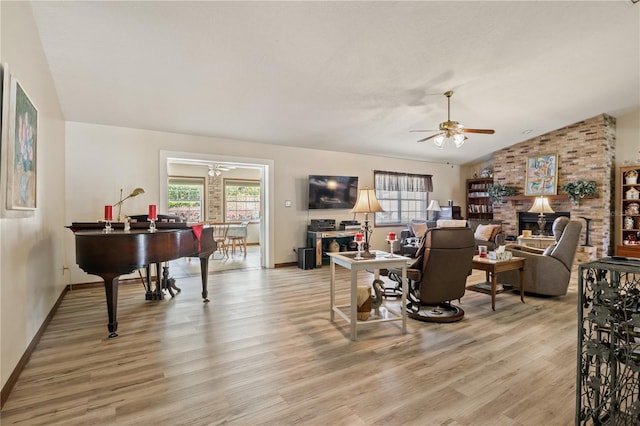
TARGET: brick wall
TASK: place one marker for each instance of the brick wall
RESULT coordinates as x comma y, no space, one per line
586,151
215,198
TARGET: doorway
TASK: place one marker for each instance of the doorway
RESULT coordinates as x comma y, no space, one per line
199,164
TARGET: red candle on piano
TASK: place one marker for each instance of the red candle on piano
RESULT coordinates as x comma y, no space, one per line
152,212
391,236
108,213
359,237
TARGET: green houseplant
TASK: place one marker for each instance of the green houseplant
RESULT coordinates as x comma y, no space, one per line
498,191
579,189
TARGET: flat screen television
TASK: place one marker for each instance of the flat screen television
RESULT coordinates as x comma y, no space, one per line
332,192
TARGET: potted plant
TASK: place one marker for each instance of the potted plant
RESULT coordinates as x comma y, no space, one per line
498,191
579,189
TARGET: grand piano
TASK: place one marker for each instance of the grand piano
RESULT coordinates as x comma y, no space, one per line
119,252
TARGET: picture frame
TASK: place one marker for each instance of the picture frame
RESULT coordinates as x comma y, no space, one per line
4,111
541,175
22,154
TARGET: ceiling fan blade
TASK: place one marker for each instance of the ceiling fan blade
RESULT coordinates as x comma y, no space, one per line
429,137
485,131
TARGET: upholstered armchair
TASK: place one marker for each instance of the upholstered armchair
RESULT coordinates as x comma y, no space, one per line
547,271
439,274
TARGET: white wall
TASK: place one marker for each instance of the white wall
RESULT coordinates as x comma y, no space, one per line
126,158
31,252
627,153
628,138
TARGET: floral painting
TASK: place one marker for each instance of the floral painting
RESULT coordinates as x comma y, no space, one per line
542,175
23,139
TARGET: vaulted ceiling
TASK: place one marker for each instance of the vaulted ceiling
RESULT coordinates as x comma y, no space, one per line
344,76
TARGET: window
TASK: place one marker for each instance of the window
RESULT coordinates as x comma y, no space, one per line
403,197
186,198
241,200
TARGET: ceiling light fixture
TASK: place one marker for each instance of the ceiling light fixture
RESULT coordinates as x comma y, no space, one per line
214,171
449,135
451,130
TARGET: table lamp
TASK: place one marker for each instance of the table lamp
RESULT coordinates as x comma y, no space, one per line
434,206
134,193
541,206
366,203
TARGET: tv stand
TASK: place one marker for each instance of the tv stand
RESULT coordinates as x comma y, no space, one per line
320,239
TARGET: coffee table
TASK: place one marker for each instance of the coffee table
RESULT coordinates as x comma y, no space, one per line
493,268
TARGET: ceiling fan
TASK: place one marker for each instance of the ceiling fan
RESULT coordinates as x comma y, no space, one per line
451,129
217,169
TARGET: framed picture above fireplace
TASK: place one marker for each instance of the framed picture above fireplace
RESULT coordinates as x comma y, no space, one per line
542,175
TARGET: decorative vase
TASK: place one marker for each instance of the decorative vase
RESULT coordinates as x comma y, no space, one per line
334,246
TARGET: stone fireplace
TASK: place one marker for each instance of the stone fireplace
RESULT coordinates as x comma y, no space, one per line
586,151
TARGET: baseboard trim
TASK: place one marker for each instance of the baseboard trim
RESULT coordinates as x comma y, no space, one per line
13,378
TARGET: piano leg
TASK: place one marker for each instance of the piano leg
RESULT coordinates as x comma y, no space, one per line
169,283
204,273
156,293
111,291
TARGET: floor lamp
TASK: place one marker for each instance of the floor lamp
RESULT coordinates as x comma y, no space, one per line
366,203
541,206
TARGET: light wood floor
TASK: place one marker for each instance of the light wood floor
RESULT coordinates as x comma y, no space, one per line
263,352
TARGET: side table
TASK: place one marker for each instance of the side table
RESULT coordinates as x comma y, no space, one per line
493,268
349,312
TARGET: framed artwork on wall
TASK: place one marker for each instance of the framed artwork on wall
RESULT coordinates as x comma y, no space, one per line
542,175
22,144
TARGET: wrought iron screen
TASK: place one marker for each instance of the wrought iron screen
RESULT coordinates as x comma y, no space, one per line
608,376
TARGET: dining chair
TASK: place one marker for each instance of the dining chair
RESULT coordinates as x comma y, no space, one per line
238,235
220,237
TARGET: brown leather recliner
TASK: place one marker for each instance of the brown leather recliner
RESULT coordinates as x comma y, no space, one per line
439,274
547,271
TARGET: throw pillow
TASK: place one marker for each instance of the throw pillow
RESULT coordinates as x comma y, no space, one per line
496,231
483,232
419,229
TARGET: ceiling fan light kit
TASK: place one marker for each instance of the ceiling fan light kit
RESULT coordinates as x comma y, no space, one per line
452,130
217,169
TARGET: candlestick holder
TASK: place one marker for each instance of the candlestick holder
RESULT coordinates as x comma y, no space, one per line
359,254
152,225
390,247
107,227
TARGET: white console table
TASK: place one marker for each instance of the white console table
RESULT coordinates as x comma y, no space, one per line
349,312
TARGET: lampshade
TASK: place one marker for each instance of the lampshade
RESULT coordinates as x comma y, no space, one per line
457,139
434,206
367,202
541,205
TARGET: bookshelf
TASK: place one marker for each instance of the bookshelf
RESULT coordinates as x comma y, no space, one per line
479,204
